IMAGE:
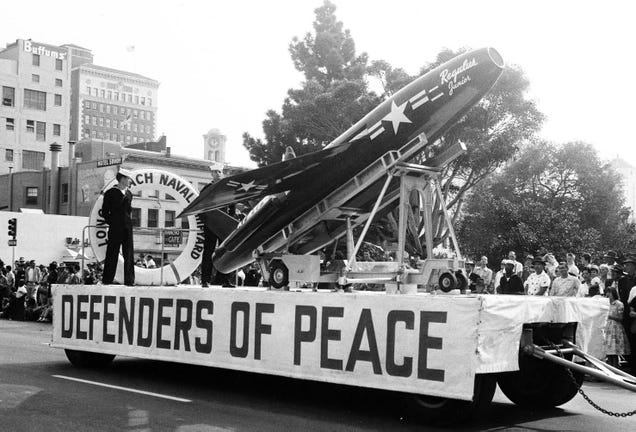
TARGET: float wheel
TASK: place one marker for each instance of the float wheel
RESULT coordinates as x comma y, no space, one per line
88,360
539,384
278,274
462,282
444,411
447,282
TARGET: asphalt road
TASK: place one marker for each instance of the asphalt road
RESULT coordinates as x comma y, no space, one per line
40,391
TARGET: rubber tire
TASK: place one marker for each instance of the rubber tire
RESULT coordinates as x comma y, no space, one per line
539,384
447,282
278,274
88,360
444,411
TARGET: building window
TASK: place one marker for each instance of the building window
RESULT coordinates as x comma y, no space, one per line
135,113
129,98
102,93
32,195
170,198
87,104
30,127
8,96
93,134
32,160
36,60
8,155
149,102
95,91
136,217
35,78
107,122
108,109
94,105
58,82
134,127
57,129
35,99
116,96
110,94
170,214
88,91
101,107
94,120
87,119
185,224
64,192
115,124
148,129
40,131
10,124
58,64
101,121
57,100
153,194
137,100
153,218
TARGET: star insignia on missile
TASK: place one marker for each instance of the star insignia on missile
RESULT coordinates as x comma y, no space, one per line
247,186
396,116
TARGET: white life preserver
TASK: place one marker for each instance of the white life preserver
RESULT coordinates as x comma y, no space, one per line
189,259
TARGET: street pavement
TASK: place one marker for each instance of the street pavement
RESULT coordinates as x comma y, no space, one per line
41,391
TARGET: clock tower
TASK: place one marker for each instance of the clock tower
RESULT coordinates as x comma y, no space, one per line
214,146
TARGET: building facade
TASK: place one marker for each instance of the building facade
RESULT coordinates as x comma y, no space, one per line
112,105
628,173
35,110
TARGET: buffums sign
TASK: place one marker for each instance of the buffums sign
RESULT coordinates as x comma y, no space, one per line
406,344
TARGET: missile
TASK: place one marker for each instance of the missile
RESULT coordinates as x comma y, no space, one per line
294,213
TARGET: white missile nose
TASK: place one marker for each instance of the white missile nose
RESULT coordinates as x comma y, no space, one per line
496,57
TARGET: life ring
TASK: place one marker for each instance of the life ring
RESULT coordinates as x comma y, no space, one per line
183,192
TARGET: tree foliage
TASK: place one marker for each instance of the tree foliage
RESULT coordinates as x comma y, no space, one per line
553,198
333,96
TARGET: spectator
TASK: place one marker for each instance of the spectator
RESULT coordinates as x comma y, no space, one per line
510,282
150,263
538,282
485,273
32,279
572,268
625,285
565,285
499,274
512,256
62,274
253,275
596,285
73,277
586,260
610,259
528,269
10,277
141,262
551,265
5,289
14,308
603,273
585,284
616,343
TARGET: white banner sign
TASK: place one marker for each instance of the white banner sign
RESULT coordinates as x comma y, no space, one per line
413,344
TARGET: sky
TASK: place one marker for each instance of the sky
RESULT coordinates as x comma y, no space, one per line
223,64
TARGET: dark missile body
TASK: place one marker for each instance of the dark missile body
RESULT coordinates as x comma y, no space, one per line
430,104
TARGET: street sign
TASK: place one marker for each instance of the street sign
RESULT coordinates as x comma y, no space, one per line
13,242
172,238
108,162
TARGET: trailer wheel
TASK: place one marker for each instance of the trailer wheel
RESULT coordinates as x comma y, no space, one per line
447,282
278,274
539,384
462,282
88,360
444,411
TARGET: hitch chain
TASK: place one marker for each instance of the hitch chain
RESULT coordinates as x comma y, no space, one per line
585,396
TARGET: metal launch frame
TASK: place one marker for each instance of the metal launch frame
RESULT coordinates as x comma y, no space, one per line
281,268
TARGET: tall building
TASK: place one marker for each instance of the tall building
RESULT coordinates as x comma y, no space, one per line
214,146
628,172
111,105
35,81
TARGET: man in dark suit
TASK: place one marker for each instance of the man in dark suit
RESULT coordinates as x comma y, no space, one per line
117,212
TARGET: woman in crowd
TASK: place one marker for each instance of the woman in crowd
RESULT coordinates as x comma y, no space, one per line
551,265
615,337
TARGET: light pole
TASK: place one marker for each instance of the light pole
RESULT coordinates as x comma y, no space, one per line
71,166
10,188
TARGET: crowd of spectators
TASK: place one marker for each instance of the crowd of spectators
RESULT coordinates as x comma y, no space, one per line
605,275
25,287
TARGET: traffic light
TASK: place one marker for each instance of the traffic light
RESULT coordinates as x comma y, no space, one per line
13,228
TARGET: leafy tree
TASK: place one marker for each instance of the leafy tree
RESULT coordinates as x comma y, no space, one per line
333,97
556,198
493,131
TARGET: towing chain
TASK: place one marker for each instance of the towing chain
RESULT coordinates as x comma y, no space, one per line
585,396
